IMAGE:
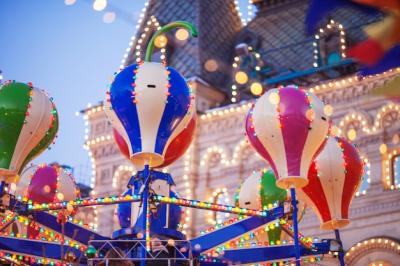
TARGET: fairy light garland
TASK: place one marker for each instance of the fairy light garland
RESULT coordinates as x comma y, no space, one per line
211,206
331,27
117,174
22,258
224,158
379,242
185,220
240,77
82,202
152,23
45,234
387,168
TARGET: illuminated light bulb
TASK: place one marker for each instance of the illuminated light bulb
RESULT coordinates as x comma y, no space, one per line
109,17
383,148
241,77
256,88
328,110
274,98
69,2
70,208
46,188
99,5
60,196
351,134
171,242
211,65
161,41
310,114
182,34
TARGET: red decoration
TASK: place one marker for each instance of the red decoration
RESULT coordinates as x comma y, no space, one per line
368,52
334,178
176,148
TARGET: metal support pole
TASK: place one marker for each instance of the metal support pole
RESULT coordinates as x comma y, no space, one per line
295,226
145,196
341,250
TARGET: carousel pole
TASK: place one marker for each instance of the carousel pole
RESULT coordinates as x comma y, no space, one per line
145,222
295,226
341,251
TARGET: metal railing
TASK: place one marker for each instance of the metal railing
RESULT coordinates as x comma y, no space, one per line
162,252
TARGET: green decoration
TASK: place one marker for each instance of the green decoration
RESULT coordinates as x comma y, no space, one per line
270,194
170,26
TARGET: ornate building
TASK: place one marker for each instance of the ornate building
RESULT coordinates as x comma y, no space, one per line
223,65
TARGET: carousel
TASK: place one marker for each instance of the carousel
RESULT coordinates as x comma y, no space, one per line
152,110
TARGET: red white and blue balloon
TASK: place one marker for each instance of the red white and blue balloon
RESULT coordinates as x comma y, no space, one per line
287,126
181,139
150,102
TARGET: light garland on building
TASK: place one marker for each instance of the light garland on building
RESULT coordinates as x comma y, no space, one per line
241,78
352,80
213,216
185,220
25,259
387,167
117,174
379,242
330,27
223,156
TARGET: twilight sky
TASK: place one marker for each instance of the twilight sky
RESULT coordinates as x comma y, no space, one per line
70,52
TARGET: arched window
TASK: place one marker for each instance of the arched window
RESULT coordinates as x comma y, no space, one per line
366,178
396,172
329,44
219,196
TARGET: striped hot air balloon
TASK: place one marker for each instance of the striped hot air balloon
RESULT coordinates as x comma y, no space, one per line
288,127
29,125
334,178
46,184
148,105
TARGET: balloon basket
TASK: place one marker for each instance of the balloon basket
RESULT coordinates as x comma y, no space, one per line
292,181
335,224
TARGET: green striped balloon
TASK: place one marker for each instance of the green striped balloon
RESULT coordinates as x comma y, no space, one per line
28,125
259,191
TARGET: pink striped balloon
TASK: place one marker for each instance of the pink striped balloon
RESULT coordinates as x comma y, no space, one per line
288,128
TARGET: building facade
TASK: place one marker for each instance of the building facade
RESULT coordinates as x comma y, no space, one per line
272,50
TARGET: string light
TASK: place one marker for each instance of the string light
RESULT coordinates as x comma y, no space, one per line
332,26
108,200
99,5
378,243
387,166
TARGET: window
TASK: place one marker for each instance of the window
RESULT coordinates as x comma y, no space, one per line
219,196
366,178
396,172
329,44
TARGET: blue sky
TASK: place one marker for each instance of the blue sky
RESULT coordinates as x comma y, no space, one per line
69,52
